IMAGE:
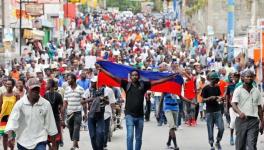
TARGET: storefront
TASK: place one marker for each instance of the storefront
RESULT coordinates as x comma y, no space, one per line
33,34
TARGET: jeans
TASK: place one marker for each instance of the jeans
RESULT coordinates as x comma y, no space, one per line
147,110
181,113
106,134
137,124
162,118
190,110
40,146
96,128
74,122
157,102
214,118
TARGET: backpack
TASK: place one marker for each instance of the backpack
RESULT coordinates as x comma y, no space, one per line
96,109
141,85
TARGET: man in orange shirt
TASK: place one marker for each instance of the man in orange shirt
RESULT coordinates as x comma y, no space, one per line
15,74
138,37
223,86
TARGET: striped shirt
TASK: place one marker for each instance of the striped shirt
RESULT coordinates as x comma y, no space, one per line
74,97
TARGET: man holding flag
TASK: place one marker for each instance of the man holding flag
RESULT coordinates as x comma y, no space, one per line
134,109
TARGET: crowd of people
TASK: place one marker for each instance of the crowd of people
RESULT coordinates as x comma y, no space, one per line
51,88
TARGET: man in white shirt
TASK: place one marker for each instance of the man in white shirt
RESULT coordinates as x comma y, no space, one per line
73,96
32,120
108,111
246,102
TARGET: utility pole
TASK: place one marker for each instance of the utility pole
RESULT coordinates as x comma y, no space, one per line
20,27
230,28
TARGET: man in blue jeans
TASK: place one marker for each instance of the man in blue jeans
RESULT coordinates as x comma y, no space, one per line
96,125
211,96
134,108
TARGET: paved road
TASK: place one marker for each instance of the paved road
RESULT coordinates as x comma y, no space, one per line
154,138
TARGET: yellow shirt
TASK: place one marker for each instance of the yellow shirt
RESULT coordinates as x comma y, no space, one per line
7,106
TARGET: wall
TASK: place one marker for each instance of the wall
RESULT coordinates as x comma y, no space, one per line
215,15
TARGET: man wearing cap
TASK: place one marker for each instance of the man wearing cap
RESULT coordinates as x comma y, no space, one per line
32,120
211,96
246,102
96,122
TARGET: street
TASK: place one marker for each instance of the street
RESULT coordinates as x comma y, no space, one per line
155,138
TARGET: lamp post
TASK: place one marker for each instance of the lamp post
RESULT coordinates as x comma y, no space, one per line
20,27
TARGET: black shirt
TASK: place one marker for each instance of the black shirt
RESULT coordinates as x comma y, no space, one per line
55,100
212,105
135,98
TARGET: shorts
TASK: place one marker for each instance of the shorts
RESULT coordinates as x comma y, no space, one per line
233,116
172,119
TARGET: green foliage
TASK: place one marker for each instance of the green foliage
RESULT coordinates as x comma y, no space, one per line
83,8
195,6
125,5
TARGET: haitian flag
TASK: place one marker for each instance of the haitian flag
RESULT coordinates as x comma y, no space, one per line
173,86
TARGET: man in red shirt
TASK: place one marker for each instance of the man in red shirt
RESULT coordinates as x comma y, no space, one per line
43,83
190,94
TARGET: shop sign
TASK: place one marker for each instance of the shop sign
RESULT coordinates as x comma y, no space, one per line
49,1
34,9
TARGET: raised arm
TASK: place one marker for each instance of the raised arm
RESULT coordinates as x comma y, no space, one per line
109,74
155,82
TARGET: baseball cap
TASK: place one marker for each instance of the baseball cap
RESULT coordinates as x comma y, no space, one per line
32,83
214,75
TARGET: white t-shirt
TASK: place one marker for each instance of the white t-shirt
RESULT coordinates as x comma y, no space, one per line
60,52
111,97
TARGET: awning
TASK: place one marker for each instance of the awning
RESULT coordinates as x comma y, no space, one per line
33,34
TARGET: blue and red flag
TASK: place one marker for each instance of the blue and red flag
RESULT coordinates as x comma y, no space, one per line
173,86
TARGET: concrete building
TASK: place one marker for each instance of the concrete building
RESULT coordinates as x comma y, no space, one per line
214,15
1,23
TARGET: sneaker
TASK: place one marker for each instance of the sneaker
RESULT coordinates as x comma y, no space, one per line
180,128
193,123
168,146
61,143
218,146
212,148
189,123
232,141
176,148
